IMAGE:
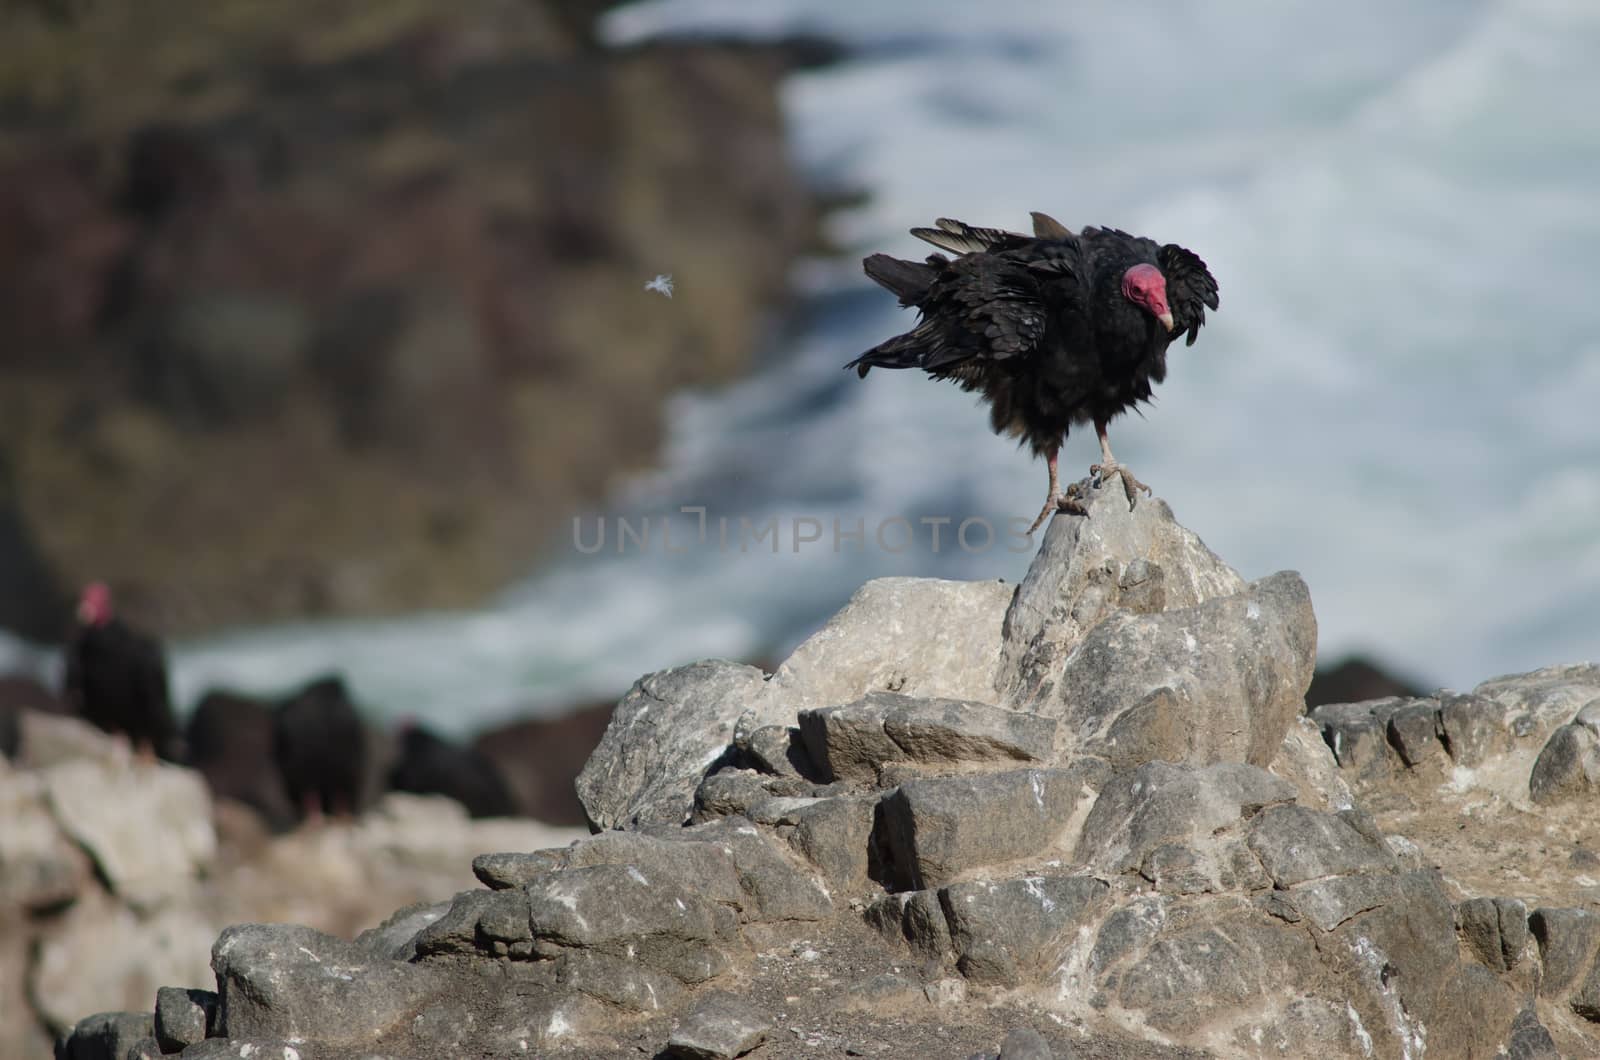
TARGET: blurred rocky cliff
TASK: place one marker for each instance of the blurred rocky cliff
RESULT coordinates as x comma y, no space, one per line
312,308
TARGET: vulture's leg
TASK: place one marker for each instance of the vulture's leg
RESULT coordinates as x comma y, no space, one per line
1056,501
1108,466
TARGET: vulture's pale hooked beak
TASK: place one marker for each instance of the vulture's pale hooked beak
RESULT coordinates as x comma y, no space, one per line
1166,320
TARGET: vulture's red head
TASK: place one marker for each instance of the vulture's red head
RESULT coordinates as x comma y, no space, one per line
94,605
1144,286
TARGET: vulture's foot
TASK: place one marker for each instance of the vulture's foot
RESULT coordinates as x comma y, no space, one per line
1068,501
1130,485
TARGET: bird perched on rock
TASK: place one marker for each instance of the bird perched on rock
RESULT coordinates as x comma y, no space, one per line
431,765
230,740
1054,329
116,677
320,746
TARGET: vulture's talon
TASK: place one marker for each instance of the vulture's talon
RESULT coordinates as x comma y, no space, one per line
1130,485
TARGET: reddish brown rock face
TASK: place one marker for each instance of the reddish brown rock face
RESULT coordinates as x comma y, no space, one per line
346,314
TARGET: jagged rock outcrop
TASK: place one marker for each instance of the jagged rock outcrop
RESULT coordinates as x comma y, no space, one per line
1092,834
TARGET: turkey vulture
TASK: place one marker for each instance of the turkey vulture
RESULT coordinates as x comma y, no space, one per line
320,746
116,677
430,765
1055,329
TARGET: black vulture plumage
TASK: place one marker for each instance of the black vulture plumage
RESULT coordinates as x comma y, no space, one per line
431,765
116,677
320,745
1055,329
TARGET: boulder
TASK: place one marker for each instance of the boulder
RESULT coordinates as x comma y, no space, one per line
147,825
1014,931
719,1027
851,742
922,637
1568,767
106,1036
939,828
1220,681
1162,804
283,981
667,733
619,911
1085,571
40,867
183,1017
102,952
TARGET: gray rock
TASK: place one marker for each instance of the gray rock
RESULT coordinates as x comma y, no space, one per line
1192,975
776,750
147,826
1568,939
1127,931
1534,704
1133,690
618,981
1296,844
728,793
144,1049
396,938
914,917
620,911
249,1049
848,741
285,981
938,827
947,730
851,742
664,735
1015,931
771,886
504,871
708,867
1402,950
1306,761
1414,731
1358,733
1079,577
183,1016
1568,767
100,953
719,1027
921,636
52,739
1161,803
492,923
1024,1043
106,1036
1496,930
1335,900
1586,1001
835,835
40,868
1472,728
1529,1039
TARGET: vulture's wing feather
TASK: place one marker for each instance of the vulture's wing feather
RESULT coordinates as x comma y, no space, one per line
1047,227
961,238
1190,288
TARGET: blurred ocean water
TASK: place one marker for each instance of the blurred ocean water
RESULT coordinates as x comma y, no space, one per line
1398,398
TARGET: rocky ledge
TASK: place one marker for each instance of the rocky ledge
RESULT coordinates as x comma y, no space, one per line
1083,816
